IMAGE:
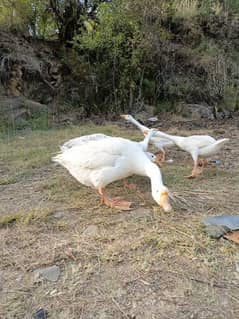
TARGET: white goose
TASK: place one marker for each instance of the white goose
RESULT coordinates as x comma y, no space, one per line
197,146
158,142
99,162
82,140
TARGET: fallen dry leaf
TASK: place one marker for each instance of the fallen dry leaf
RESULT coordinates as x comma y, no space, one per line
233,236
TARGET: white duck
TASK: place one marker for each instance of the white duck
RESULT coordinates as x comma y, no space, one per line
158,142
197,146
99,162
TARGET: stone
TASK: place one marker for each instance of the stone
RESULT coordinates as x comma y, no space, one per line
91,231
237,266
40,314
216,232
198,111
59,215
49,273
229,221
153,119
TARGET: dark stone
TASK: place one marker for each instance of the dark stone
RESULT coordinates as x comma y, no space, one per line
40,314
216,232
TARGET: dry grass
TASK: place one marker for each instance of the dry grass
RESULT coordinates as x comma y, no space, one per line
139,264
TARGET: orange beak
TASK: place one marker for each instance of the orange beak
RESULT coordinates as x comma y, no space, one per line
164,202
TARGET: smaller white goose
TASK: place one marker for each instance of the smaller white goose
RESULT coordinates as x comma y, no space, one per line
158,142
101,161
197,146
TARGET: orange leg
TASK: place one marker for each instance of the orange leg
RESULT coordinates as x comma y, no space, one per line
113,202
197,168
194,171
160,158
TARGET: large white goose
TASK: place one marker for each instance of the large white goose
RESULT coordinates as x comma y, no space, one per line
83,140
101,161
157,141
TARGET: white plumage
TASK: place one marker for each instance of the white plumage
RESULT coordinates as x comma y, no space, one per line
98,160
83,140
158,142
196,145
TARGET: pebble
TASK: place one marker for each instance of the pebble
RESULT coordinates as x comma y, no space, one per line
59,215
50,273
237,266
215,231
40,314
153,119
91,231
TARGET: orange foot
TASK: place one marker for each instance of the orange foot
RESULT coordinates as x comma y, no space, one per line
118,203
113,202
196,172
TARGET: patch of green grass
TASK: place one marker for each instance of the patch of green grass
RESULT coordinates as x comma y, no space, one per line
25,217
8,180
30,150
175,175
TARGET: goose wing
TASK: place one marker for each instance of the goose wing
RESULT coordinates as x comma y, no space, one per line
82,140
92,155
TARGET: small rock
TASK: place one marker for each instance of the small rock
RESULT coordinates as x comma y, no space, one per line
91,231
237,266
229,221
50,273
153,119
59,215
215,231
40,314
198,111
19,278
169,161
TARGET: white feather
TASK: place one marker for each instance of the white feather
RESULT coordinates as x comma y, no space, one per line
97,162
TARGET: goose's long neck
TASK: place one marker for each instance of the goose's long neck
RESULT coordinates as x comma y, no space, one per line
159,191
145,143
139,125
154,173
173,138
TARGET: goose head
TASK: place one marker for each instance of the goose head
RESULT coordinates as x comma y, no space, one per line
160,192
161,196
127,117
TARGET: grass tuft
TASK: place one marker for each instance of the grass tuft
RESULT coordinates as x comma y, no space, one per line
25,217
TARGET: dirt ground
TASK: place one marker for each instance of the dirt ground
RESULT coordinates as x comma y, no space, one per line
141,264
